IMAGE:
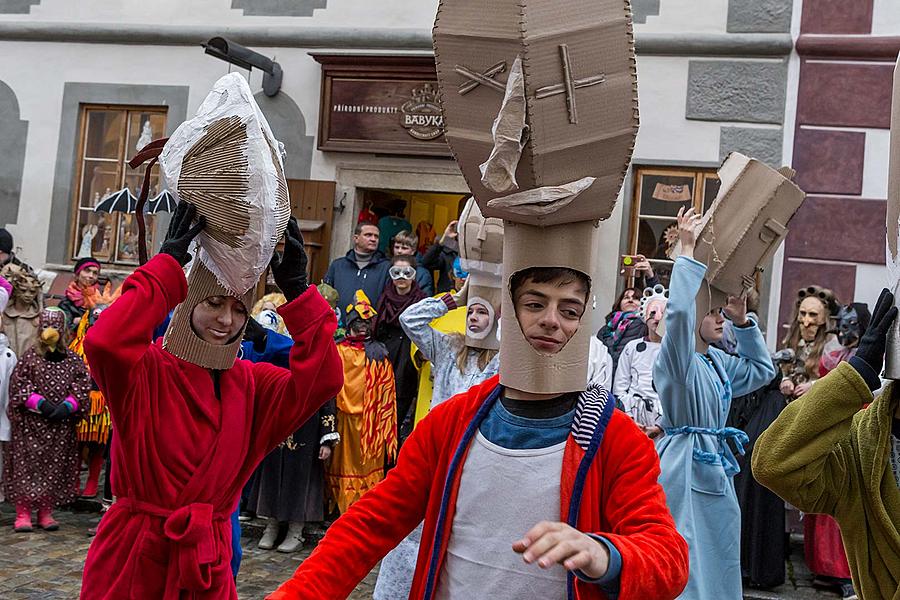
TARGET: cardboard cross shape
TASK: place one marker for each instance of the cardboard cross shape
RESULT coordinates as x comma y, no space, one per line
892,356
540,104
743,227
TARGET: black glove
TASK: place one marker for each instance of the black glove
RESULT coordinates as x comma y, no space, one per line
289,267
180,234
869,358
256,334
61,411
46,409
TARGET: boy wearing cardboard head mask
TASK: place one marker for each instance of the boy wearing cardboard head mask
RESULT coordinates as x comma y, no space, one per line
535,506
696,382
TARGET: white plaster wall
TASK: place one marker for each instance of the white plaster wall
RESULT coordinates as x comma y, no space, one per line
338,13
870,280
875,168
886,17
682,16
665,134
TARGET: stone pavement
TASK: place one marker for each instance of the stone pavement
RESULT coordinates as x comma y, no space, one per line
47,566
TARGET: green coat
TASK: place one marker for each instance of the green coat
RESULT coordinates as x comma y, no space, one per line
825,454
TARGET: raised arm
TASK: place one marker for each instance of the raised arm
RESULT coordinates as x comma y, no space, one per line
371,527
679,343
122,334
752,368
416,322
654,555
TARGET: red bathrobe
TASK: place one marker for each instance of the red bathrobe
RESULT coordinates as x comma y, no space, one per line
621,501
180,455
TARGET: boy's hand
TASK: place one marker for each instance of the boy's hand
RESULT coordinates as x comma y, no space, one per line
549,544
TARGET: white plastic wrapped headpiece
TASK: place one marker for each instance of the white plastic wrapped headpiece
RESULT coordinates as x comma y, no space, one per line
227,161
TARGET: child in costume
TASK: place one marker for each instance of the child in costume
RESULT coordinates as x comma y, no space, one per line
401,292
634,376
695,384
829,453
83,292
192,422
366,410
7,364
48,390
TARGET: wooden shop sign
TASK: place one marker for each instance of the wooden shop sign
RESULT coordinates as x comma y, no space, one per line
381,105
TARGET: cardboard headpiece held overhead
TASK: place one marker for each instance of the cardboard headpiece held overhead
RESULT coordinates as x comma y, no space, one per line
540,110
743,227
228,163
892,247
481,255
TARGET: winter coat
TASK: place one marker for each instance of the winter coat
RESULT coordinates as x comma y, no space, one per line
440,258
346,277
608,487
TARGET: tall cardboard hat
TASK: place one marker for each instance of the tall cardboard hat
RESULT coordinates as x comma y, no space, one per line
560,77
743,227
892,246
228,163
481,255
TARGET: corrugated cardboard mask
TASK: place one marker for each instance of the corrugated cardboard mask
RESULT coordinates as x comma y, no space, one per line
540,104
743,227
521,366
892,357
481,255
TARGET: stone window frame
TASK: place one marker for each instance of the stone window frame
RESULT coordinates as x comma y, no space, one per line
701,177
123,156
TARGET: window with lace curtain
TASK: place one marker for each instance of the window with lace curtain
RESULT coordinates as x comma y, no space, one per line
659,192
110,136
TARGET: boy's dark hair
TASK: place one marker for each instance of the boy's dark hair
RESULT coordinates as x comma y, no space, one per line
359,226
406,258
558,276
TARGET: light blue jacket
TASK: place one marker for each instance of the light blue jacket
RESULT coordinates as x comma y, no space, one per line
697,464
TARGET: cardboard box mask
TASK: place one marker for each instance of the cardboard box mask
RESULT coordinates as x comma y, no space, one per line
563,72
892,249
481,255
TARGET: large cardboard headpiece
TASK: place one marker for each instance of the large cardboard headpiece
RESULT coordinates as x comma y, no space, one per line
481,255
228,163
892,247
540,110
743,227
560,78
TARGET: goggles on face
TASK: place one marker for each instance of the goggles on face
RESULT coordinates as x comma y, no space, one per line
402,273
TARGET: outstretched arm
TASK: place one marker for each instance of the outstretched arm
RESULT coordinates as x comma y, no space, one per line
679,343
371,527
416,322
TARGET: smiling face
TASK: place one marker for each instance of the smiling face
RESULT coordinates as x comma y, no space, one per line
811,316
712,327
550,313
88,276
218,319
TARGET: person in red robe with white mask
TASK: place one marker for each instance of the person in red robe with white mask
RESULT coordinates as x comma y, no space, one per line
189,436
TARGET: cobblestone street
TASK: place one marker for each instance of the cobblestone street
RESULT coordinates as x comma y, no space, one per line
47,566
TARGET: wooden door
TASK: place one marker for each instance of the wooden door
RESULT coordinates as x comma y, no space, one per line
312,203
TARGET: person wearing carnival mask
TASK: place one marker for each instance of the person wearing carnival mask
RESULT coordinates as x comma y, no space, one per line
696,382
493,531
21,319
48,391
191,421
850,324
366,410
836,451
634,374
401,292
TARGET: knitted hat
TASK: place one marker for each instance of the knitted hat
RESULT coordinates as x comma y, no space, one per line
6,241
84,263
180,338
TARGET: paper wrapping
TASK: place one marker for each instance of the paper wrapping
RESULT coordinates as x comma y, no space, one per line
521,366
227,161
580,96
481,255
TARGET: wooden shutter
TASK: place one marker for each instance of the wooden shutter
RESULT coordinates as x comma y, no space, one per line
312,203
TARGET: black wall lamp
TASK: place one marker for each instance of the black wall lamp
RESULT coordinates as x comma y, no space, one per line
246,58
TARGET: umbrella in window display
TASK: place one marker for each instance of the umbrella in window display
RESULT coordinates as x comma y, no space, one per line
123,201
164,201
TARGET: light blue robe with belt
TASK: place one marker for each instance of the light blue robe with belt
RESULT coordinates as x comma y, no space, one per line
697,465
